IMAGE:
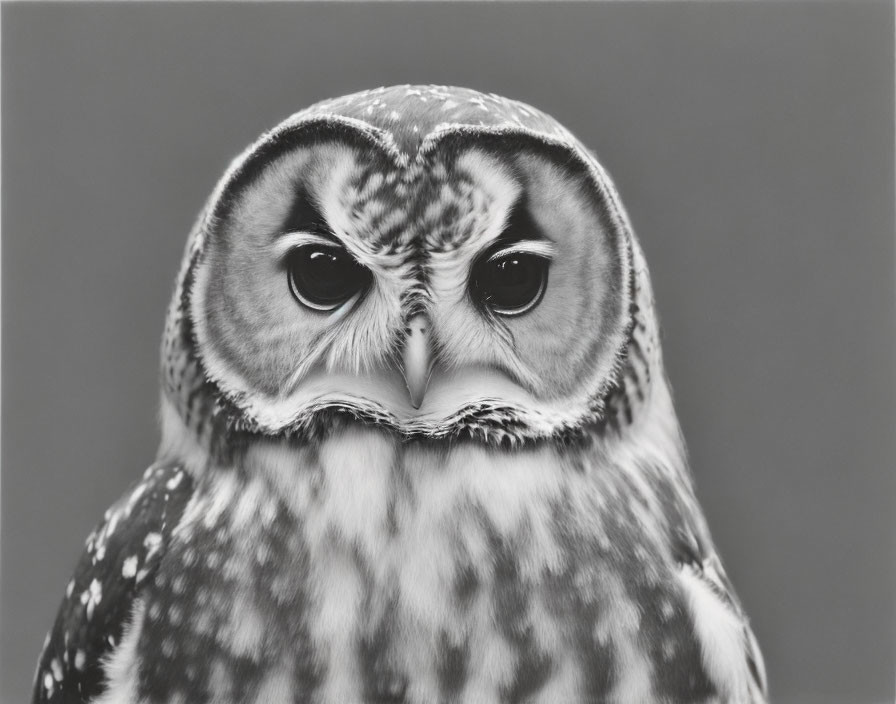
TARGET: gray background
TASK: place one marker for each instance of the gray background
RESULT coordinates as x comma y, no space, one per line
752,143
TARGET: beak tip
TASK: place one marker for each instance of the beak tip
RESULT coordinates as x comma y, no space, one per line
415,395
416,360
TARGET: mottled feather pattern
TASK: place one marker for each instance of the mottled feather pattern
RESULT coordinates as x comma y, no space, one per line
438,573
120,556
364,119
542,545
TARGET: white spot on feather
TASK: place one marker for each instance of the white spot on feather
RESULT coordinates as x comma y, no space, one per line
139,490
151,542
174,482
92,596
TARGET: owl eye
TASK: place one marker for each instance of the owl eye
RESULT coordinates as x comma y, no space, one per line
510,281
323,277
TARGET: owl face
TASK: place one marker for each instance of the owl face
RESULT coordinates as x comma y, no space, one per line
417,274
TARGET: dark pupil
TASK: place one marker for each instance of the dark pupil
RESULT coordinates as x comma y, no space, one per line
325,276
511,283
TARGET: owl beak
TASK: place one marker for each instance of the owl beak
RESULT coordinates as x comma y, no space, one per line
416,358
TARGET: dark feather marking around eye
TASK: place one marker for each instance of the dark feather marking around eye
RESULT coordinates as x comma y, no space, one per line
520,224
305,216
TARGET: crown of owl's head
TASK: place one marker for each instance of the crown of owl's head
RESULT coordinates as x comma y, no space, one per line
435,260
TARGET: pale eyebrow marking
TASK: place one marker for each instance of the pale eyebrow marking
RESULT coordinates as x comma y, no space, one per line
540,248
289,241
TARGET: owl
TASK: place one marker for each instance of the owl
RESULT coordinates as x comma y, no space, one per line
417,442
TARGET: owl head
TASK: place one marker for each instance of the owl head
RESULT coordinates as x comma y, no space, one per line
435,260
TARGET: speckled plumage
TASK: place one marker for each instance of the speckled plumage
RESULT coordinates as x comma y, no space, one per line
531,535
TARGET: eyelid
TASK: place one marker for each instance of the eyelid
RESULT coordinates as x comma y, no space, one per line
538,248
286,243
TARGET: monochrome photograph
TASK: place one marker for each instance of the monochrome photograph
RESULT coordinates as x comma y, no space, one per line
448,352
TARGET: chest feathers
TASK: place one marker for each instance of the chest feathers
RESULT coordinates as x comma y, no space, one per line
366,569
